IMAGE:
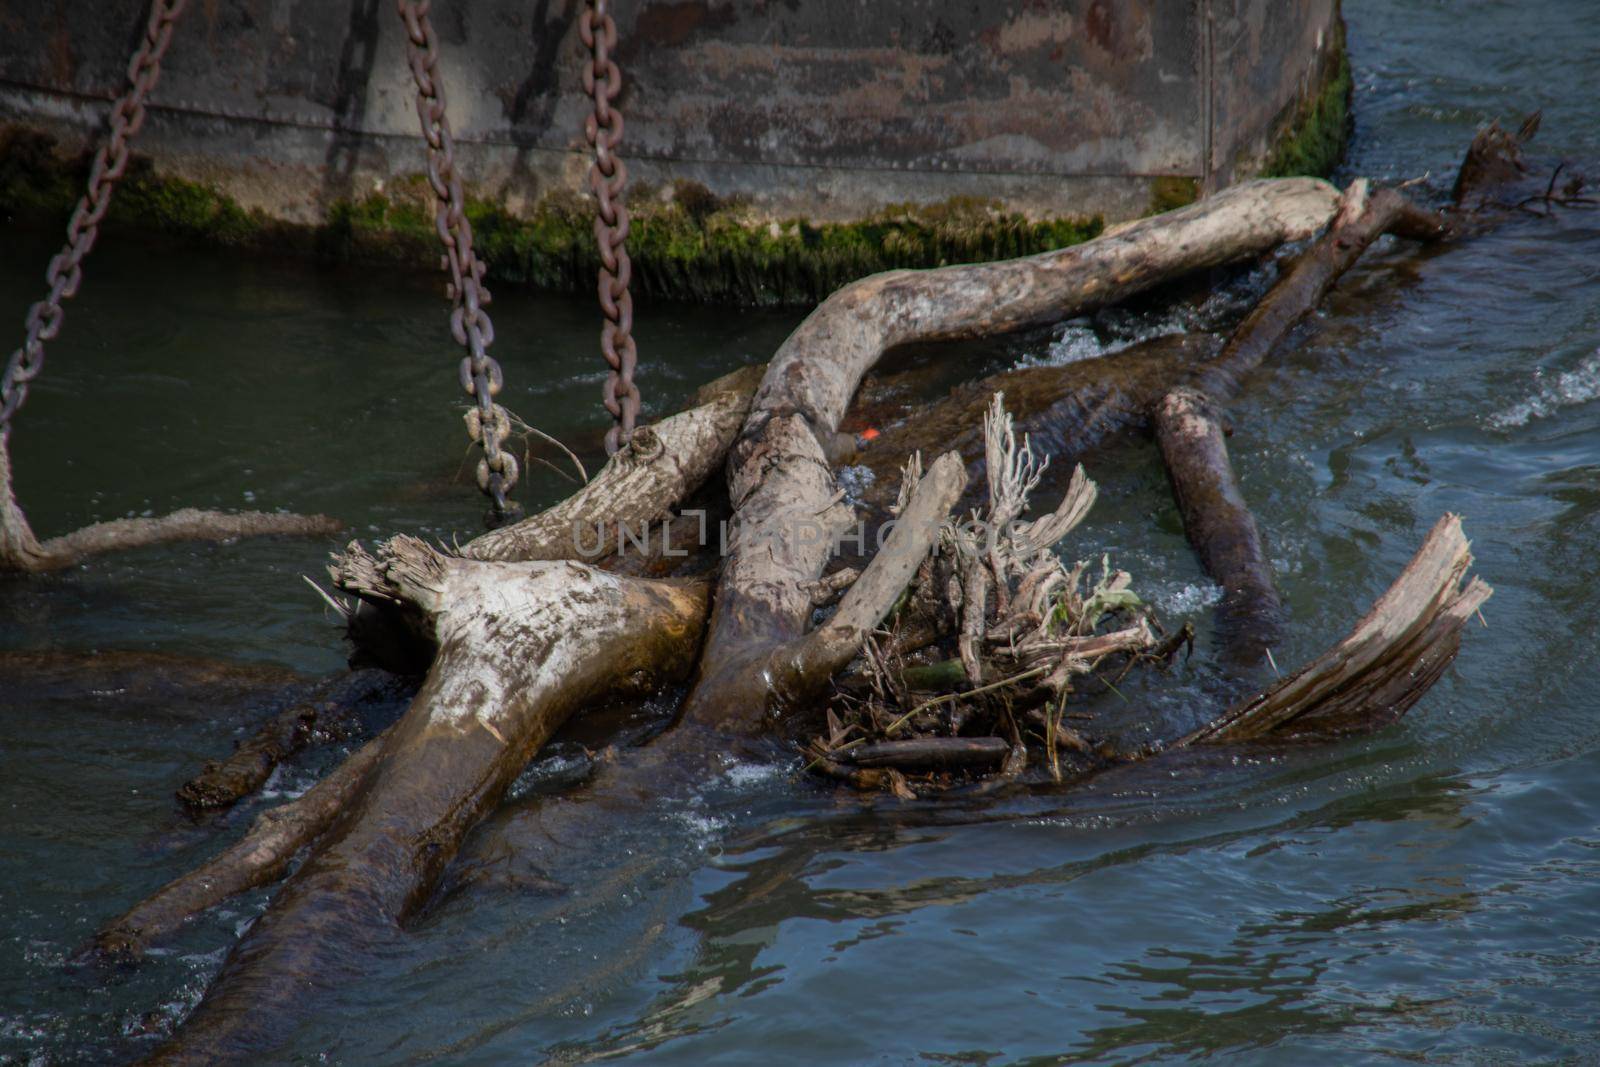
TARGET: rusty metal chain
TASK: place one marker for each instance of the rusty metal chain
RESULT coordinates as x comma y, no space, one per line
481,376
65,272
608,180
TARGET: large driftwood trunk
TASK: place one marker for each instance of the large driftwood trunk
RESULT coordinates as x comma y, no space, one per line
786,518
521,647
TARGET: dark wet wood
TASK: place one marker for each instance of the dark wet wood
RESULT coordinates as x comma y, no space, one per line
930,753
1360,220
1066,411
329,709
259,858
1219,524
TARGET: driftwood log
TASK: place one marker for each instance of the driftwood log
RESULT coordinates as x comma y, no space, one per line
327,710
519,642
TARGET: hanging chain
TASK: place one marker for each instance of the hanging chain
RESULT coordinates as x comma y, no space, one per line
481,377
65,272
608,180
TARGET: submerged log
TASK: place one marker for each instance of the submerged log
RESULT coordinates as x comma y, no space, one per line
327,707
260,857
21,551
779,473
521,647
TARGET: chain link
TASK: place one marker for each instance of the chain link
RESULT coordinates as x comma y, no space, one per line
481,377
608,180
65,272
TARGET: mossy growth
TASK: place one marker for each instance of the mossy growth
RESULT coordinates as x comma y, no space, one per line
35,182
685,242
1172,192
1314,139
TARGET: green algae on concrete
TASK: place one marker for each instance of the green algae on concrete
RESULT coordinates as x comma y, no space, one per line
685,243
1314,139
1172,192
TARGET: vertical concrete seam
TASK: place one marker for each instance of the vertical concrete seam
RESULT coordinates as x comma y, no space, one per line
1208,77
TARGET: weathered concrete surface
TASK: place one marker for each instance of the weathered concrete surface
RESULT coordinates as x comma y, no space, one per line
822,110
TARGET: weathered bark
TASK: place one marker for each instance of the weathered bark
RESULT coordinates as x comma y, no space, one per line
1219,524
521,647
801,670
21,551
1385,664
258,858
661,466
224,782
779,474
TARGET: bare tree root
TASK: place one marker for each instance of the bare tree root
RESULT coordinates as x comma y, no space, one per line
21,551
521,647
325,710
779,471
260,857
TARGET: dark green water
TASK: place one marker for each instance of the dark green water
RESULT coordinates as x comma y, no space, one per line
1428,894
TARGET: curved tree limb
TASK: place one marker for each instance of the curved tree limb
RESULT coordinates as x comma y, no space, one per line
779,469
21,551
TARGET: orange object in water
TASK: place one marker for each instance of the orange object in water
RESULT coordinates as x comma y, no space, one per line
868,434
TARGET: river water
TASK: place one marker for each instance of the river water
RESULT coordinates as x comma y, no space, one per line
1430,893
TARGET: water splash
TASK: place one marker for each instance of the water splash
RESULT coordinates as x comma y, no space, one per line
1579,385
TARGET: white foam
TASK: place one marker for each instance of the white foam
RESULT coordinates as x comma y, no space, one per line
1579,385
1190,598
855,481
743,775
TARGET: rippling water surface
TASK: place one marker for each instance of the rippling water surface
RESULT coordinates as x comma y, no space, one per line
1430,893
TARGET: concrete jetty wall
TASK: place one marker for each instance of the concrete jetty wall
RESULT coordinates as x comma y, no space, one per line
772,117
